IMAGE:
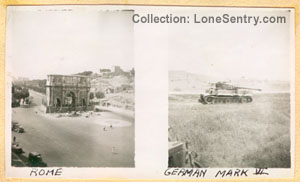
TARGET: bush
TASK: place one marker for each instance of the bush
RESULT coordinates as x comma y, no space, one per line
24,93
100,95
18,93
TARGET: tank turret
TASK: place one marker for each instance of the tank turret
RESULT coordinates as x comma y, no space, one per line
222,92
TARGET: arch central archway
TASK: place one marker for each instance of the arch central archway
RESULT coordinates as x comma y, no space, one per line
70,99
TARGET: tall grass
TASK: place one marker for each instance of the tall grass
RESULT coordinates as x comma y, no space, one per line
256,134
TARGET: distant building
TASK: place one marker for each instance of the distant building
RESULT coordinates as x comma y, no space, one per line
105,70
116,70
67,92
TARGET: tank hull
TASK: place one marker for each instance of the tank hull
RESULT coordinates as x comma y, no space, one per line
224,99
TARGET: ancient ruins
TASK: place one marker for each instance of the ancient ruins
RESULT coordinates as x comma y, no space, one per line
67,93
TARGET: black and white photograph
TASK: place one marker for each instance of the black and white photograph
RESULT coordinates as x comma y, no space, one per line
230,90
149,92
72,86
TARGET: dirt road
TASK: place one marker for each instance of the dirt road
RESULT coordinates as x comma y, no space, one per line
75,141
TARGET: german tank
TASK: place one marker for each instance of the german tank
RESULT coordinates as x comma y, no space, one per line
222,92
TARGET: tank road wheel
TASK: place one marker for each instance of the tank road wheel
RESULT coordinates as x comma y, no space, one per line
249,99
227,100
213,101
220,100
243,100
210,100
223,101
201,99
235,100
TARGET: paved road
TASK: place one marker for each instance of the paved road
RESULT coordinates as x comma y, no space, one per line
75,141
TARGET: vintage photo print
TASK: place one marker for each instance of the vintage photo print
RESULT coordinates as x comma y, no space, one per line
71,80
149,92
231,90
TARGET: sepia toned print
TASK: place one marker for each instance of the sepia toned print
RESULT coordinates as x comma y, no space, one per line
92,95
230,95
72,95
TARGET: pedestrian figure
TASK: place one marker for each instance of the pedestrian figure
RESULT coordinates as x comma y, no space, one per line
111,126
104,129
14,138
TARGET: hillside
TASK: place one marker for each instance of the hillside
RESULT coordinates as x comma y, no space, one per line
118,90
185,82
102,83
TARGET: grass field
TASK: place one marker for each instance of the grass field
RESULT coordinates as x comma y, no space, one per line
256,134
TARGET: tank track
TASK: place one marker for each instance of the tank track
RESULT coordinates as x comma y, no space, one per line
213,99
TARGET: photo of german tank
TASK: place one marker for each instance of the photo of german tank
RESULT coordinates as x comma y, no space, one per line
222,92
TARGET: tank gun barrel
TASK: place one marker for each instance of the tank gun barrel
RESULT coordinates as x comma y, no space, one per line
248,88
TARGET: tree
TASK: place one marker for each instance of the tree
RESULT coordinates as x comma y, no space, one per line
18,94
17,87
13,89
100,95
15,100
24,93
132,72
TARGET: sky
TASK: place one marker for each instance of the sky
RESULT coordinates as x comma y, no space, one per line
67,40
70,39
232,51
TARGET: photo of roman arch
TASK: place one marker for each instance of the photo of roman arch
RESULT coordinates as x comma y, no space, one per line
71,77
63,91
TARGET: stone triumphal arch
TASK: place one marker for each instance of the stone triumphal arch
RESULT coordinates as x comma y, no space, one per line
67,93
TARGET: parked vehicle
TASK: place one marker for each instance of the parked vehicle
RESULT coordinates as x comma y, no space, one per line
16,127
17,149
35,160
179,153
21,129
